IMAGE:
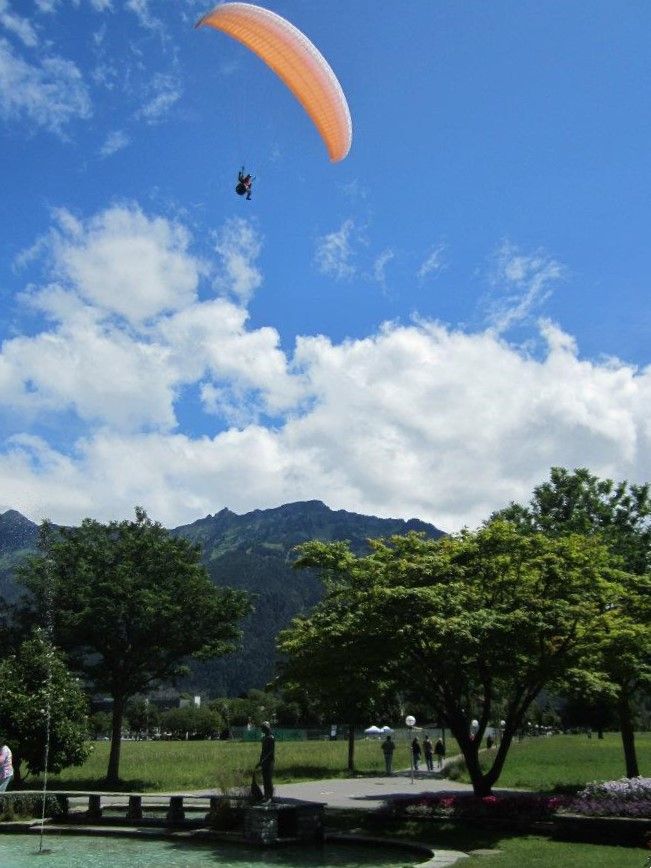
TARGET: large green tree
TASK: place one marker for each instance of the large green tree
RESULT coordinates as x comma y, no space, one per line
40,696
480,617
129,603
328,658
618,666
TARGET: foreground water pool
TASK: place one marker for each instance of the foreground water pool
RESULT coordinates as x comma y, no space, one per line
77,851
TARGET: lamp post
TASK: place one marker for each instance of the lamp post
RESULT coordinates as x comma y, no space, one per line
410,720
474,726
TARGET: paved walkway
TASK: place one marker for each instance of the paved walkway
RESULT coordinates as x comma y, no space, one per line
368,793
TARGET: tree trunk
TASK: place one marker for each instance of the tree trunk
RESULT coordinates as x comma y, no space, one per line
470,750
628,734
481,786
18,778
491,776
113,773
351,747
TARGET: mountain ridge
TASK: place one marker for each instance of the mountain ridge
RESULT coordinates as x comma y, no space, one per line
251,551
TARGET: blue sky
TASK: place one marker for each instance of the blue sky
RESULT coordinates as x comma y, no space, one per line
421,330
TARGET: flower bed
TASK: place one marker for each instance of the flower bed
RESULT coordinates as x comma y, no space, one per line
515,810
627,797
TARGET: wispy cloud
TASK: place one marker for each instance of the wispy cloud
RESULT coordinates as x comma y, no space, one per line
239,245
334,252
380,265
49,6
115,141
142,10
433,263
20,27
355,191
520,284
49,95
166,90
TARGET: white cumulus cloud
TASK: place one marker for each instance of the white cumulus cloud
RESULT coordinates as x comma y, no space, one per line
415,419
125,262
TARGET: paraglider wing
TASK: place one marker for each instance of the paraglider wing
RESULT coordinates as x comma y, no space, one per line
297,62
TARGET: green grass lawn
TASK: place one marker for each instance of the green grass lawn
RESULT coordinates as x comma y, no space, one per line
540,764
510,850
569,760
188,765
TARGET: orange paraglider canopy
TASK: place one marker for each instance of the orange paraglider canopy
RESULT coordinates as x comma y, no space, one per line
296,61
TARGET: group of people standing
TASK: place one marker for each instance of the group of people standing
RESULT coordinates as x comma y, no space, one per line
428,750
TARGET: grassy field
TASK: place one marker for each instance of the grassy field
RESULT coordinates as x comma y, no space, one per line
570,760
540,764
179,765
509,851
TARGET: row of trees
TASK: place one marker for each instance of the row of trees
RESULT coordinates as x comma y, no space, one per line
554,594
214,718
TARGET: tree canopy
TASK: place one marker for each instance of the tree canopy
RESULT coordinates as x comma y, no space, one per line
328,658
35,681
129,603
618,664
475,616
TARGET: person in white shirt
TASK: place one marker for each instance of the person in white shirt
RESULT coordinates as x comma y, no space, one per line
6,768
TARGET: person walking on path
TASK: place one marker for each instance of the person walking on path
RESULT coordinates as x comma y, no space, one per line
6,768
388,748
415,753
267,760
428,751
439,750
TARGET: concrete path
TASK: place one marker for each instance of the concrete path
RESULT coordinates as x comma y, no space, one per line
368,793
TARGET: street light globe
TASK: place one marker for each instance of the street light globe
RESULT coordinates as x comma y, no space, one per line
502,723
410,720
474,724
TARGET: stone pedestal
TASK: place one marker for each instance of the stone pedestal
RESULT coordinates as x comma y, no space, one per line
277,821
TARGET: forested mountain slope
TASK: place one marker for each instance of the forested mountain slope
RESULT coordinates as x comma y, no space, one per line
253,552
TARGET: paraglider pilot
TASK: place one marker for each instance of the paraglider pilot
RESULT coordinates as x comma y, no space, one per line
244,184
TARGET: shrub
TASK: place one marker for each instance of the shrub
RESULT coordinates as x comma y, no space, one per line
226,815
626,797
455,770
28,805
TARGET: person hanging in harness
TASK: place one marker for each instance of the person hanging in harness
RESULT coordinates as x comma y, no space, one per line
244,184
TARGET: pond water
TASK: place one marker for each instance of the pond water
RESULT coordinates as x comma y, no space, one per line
77,851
